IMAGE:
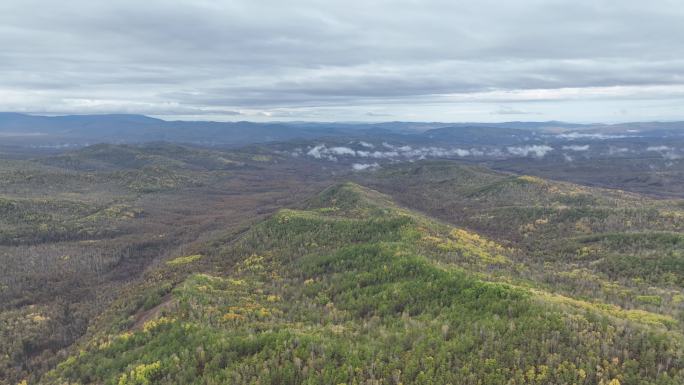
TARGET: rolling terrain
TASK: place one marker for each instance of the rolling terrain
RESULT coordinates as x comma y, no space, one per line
165,263
77,228
351,288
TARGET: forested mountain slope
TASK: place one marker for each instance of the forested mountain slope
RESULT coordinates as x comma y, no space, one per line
610,245
78,228
165,263
351,288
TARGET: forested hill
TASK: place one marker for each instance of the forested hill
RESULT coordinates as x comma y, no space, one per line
168,263
351,288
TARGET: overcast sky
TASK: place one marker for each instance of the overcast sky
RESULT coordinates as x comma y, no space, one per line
346,60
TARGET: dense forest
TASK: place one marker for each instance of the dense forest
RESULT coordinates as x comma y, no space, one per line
173,264
76,229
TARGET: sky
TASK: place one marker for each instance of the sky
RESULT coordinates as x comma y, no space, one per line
351,60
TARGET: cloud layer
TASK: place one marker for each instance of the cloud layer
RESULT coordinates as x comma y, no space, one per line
355,153
393,152
351,60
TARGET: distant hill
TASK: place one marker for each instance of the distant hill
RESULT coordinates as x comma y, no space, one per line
82,129
78,130
478,135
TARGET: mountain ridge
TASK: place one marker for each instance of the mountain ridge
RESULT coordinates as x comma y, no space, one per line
130,128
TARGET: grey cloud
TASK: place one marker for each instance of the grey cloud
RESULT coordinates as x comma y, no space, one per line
309,59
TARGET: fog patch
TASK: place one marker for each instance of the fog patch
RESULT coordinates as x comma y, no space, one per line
582,135
538,151
576,148
618,150
365,166
388,151
669,153
296,153
342,151
659,148
321,152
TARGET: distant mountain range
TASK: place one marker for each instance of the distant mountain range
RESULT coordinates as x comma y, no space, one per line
80,129
23,129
